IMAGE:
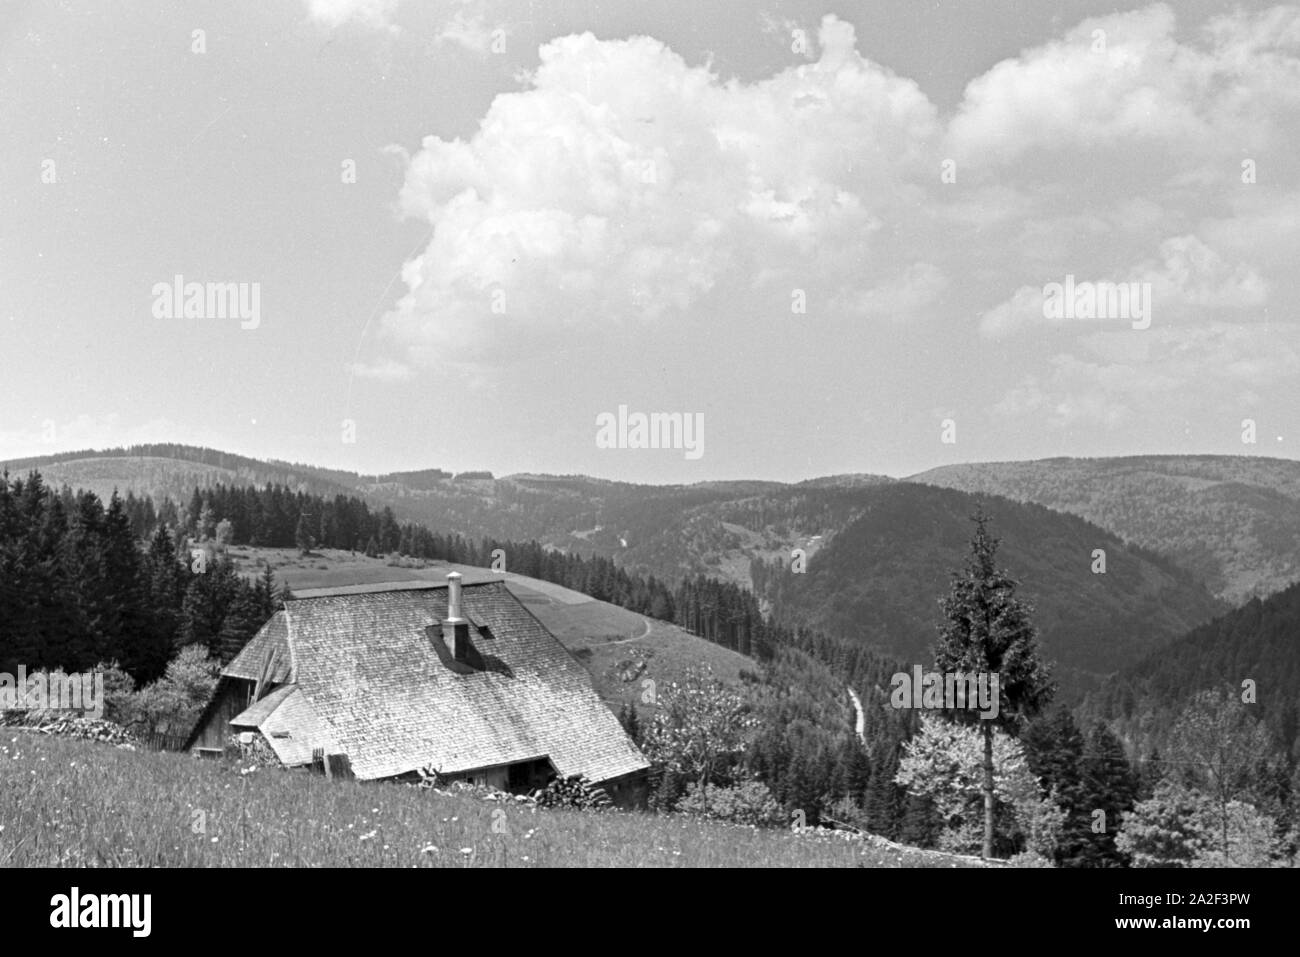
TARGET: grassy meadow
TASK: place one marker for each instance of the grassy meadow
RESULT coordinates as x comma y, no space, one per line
74,803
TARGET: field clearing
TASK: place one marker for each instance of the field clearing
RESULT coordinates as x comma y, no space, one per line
580,624
623,650
556,593
334,568
71,803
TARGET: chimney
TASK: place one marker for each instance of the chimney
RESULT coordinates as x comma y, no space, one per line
453,596
455,629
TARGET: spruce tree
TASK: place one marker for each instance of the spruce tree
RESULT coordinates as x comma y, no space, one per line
988,631
123,580
1110,786
920,826
82,562
302,537
884,797
1054,751
164,578
266,591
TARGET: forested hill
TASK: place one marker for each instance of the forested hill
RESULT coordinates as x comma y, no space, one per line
1259,641
1233,520
168,470
667,530
880,578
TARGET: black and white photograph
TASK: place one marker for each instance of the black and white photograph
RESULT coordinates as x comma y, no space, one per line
598,434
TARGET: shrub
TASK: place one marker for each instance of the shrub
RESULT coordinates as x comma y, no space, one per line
119,693
1169,829
1030,859
747,803
175,701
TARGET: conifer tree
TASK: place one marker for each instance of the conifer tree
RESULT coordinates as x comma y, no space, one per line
266,591
1109,786
164,580
1054,749
988,631
82,560
123,582
302,537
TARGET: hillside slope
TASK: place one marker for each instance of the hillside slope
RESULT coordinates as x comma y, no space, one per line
1257,641
142,816
1233,520
880,580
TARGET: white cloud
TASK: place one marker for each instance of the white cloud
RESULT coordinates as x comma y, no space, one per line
384,370
370,13
623,186
626,183
1159,376
904,296
1215,96
471,31
1187,278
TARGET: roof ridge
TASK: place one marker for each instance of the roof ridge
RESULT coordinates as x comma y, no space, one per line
383,588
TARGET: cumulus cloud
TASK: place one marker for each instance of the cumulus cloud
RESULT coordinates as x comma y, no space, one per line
370,13
1124,80
626,183
1164,374
470,31
623,188
1187,277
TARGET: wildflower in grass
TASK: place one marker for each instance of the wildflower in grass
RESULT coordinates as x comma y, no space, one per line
369,835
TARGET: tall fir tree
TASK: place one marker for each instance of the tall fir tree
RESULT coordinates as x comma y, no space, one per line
124,582
1111,787
988,631
1054,751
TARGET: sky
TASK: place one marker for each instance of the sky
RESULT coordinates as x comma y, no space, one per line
467,233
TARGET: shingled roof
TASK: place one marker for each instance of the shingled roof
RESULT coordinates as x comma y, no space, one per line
365,668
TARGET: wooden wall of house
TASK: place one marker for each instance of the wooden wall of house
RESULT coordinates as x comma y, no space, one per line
232,697
629,791
498,777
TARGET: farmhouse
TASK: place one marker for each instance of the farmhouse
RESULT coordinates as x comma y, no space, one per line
387,680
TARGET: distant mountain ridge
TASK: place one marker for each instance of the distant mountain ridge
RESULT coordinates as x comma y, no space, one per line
1233,520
